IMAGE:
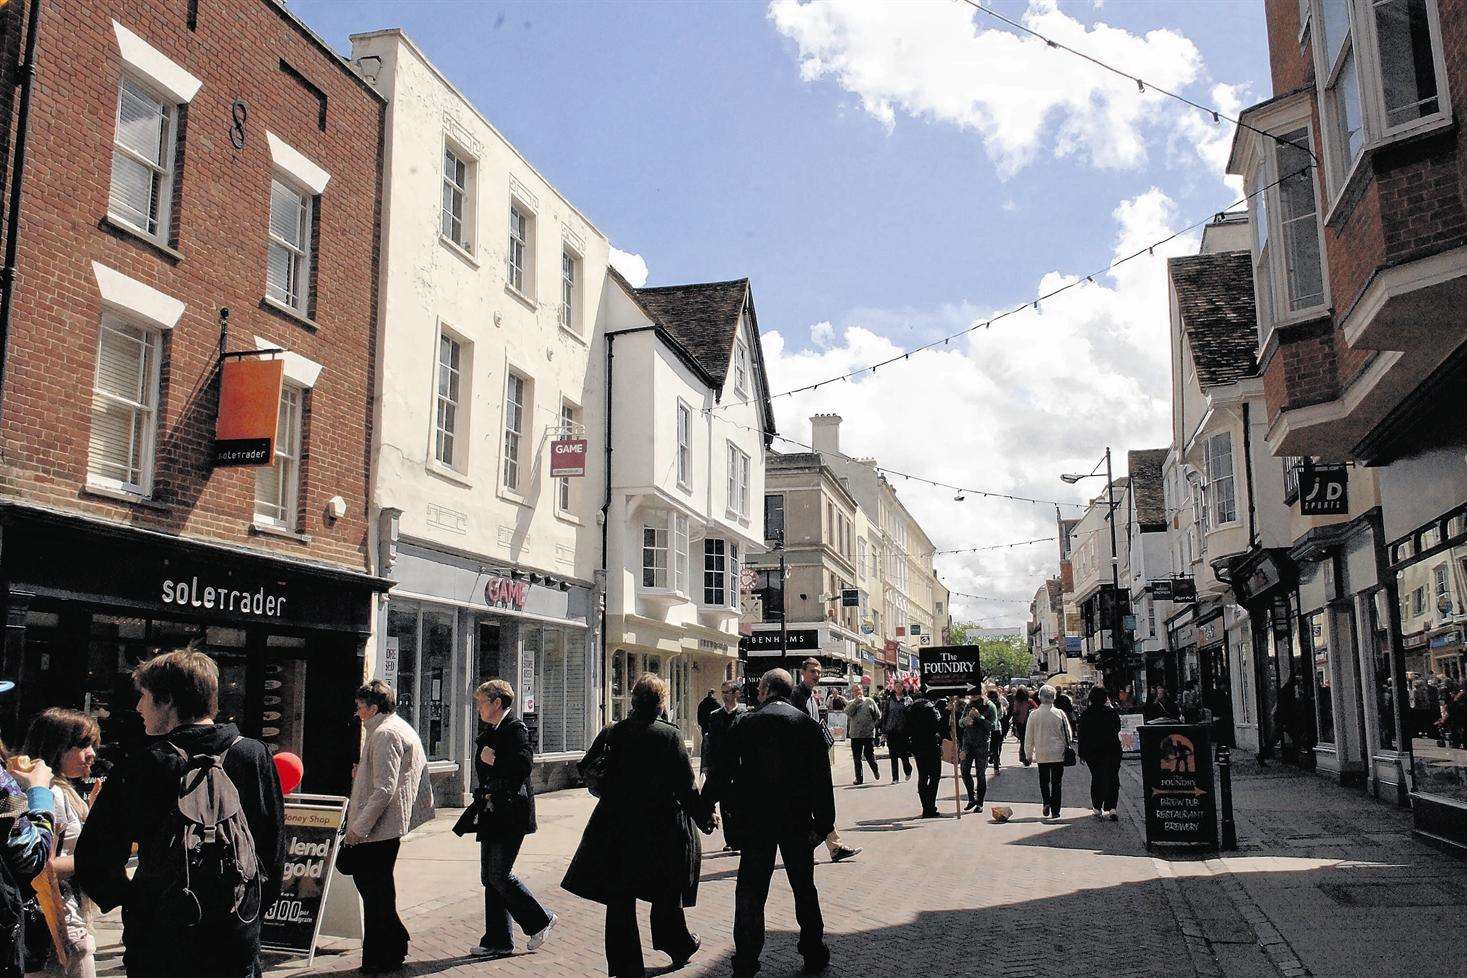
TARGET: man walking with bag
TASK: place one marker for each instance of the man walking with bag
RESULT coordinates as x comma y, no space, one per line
803,699
776,770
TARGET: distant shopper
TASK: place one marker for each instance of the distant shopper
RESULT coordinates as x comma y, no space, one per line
927,728
803,698
504,813
719,727
1019,714
27,816
863,717
1065,705
193,907
707,706
975,737
67,741
1100,749
639,843
1160,708
893,724
780,780
390,796
995,747
1047,736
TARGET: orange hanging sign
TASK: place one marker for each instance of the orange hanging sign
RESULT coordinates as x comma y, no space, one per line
249,412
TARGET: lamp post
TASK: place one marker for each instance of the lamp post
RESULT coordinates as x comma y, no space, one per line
1115,559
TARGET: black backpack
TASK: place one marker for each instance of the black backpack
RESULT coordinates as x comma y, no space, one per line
210,866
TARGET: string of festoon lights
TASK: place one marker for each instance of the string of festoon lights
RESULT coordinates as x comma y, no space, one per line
1036,302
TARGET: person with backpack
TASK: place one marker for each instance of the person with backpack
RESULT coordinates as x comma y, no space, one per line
195,904
391,794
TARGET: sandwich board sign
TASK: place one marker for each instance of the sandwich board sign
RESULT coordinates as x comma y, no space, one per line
951,669
313,827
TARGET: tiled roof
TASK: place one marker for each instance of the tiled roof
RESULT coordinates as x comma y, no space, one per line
1215,298
1146,486
1056,593
702,317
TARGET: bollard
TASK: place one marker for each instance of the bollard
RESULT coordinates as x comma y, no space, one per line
1225,775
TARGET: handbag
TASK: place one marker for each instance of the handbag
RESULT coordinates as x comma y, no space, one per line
1070,759
348,860
595,767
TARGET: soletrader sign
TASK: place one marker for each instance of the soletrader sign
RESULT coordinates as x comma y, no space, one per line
189,593
949,668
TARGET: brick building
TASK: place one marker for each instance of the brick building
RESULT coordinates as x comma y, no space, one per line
172,173
1359,255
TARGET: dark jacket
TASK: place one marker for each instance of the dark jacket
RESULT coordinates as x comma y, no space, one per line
715,735
1100,734
134,807
927,726
503,795
894,719
776,772
801,698
978,725
639,841
707,706
23,854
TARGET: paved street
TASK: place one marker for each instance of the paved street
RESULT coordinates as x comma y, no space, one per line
1026,898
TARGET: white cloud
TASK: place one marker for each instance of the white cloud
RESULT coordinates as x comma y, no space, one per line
1005,409
822,334
633,267
943,61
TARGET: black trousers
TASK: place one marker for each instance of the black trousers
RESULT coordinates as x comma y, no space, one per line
505,897
756,868
929,776
1019,729
1105,783
384,938
979,791
865,747
624,940
896,746
995,748
1051,782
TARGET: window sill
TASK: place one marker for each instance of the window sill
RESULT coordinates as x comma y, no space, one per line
570,518
511,496
263,529
132,231
463,253
573,334
275,305
663,596
1420,129
528,302
452,475
121,496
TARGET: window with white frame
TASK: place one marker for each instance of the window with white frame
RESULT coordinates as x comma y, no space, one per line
1299,225
288,262
684,445
518,258
447,399
665,551
515,390
741,367
1407,40
277,487
568,428
1342,109
720,573
1262,250
861,557
457,218
1221,499
738,481
124,407
143,160
570,302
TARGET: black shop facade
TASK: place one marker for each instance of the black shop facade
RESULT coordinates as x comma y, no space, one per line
86,601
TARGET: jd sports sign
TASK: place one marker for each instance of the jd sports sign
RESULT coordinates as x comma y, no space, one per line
1323,490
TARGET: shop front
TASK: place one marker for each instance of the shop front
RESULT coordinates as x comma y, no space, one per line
691,658
86,601
454,621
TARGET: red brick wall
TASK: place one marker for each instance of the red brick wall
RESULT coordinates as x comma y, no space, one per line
1289,66
220,218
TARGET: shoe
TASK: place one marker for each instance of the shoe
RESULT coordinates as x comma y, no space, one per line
480,951
816,963
972,806
538,938
846,852
1096,812
1113,815
380,967
859,783
930,815
681,960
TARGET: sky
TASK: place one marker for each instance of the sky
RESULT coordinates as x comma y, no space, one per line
886,174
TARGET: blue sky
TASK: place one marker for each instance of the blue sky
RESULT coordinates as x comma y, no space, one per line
887,173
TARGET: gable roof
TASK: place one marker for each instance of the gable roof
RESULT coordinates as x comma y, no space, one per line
1144,467
1215,299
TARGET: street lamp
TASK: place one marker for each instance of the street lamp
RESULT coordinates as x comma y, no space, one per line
1115,560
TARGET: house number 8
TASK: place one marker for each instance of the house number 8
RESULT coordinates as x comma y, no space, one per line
239,111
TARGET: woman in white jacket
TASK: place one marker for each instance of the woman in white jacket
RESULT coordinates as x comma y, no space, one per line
1046,738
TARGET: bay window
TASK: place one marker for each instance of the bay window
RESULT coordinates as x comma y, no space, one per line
684,445
720,573
1220,496
665,552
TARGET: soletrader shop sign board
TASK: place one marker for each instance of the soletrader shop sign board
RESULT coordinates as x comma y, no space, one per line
313,826
1176,776
949,668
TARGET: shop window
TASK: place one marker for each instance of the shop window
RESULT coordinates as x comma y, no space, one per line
1316,638
560,696
124,407
421,642
1382,679
620,694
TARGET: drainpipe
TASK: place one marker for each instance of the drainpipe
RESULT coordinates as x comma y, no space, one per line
1248,473
605,531
27,74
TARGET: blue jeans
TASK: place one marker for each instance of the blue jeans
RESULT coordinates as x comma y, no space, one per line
505,897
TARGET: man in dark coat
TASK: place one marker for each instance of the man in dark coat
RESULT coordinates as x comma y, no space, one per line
504,807
638,844
927,727
715,741
180,695
777,771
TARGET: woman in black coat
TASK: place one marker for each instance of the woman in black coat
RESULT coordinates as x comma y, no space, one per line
640,843
1100,748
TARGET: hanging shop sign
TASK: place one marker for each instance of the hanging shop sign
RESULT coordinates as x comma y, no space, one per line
850,598
501,592
313,826
769,643
568,457
950,668
1323,489
1184,589
1161,590
249,412
1176,776
916,628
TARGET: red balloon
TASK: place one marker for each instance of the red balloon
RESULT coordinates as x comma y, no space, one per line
290,769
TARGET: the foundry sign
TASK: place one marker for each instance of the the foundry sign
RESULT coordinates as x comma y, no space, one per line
501,592
1176,775
950,668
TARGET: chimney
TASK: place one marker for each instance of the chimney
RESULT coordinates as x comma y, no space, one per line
825,433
